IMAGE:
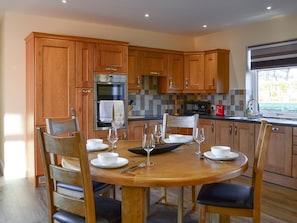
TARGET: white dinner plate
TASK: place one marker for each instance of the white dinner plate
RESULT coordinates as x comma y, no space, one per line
230,156
97,148
120,162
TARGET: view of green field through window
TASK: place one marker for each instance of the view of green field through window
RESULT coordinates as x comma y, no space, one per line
277,90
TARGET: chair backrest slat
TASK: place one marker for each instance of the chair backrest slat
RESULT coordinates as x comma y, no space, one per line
259,161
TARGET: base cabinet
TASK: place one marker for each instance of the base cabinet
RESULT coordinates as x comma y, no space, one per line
136,128
279,158
209,130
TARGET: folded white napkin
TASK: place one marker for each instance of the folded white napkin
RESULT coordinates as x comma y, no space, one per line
118,113
105,109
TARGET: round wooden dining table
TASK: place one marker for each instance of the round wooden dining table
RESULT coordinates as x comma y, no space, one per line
176,168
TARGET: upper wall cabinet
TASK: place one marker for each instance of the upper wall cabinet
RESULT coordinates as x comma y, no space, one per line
217,71
111,58
194,72
155,64
173,82
134,70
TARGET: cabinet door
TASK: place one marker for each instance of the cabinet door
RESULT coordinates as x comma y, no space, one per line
244,139
194,73
209,130
279,158
111,58
55,79
136,129
224,133
217,71
85,111
84,64
134,74
173,82
210,71
155,64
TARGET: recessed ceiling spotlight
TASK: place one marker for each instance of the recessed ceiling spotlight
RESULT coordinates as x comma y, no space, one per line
64,1
146,15
204,26
268,7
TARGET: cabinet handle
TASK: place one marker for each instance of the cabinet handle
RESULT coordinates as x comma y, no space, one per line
138,81
275,129
187,83
212,127
85,91
170,82
111,69
235,130
155,73
230,129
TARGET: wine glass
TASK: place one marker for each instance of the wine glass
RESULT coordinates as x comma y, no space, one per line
112,137
158,132
148,144
199,137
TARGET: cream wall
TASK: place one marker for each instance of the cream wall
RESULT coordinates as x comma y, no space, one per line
13,101
238,39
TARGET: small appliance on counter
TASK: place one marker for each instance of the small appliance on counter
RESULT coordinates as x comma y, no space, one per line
197,107
220,110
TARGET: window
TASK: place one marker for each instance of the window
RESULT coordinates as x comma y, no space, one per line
273,72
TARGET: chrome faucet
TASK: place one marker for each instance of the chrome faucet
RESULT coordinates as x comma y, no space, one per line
253,109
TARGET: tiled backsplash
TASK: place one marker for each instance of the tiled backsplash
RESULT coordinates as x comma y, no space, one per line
149,102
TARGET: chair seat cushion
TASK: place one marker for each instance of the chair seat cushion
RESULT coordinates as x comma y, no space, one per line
107,211
97,186
226,195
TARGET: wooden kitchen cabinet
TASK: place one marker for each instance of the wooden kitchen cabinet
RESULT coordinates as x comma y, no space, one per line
279,158
209,130
173,82
154,63
216,73
85,110
111,58
136,128
294,162
85,64
50,84
240,136
134,70
193,72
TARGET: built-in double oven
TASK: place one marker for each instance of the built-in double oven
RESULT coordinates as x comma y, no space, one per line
110,97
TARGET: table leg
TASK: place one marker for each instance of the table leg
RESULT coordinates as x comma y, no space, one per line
180,205
133,204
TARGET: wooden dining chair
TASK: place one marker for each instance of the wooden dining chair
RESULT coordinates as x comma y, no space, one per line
66,208
183,125
66,128
229,199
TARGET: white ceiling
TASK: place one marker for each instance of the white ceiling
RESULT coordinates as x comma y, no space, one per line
183,17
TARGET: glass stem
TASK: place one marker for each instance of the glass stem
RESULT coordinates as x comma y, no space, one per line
198,151
148,159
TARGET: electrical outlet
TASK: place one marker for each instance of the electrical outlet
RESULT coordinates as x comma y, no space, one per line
213,107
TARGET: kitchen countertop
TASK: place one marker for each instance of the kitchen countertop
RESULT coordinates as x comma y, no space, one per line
276,121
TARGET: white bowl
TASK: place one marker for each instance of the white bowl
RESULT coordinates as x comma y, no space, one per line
93,143
107,158
220,151
180,138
